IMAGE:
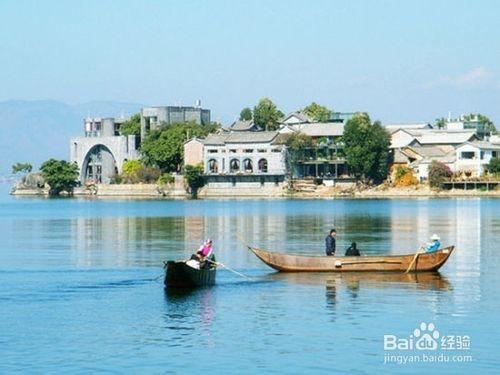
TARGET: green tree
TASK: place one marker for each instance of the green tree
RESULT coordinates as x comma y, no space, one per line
22,167
266,114
440,123
246,114
438,173
164,147
366,148
489,126
60,175
132,126
494,166
194,178
317,112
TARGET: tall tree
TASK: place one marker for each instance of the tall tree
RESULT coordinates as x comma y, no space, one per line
246,114
440,123
488,124
164,147
266,114
366,148
60,175
317,112
132,126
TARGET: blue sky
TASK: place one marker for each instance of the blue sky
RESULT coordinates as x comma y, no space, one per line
399,60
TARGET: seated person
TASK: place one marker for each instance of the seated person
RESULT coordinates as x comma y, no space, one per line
352,250
205,255
433,246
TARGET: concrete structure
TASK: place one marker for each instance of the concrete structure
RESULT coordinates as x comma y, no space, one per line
405,137
100,154
473,157
154,117
468,123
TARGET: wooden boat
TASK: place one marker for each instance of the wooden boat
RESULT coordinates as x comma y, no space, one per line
182,275
380,263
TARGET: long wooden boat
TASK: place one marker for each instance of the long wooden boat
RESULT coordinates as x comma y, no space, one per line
182,275
420,262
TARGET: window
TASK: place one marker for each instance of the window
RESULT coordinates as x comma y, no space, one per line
232,151
248,166
468,155
262,150
248,151
276,150
212,151
262,166
482,155
213,166
234,166
494,154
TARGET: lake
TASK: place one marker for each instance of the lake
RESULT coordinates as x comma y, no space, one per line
81,287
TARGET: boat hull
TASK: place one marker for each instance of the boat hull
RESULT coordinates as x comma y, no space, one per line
423,262
180,275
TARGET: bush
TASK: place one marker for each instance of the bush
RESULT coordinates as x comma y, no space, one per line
148,175
60,175
166,179
494,166
131,167
404,177
438,174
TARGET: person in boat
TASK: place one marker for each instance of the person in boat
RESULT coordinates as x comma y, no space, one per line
330,243
433,246
352,250
205,255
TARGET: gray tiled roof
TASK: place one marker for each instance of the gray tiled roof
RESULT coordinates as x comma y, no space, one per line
319,129
240,137
242,125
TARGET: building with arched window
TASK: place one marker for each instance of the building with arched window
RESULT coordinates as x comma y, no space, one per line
100,154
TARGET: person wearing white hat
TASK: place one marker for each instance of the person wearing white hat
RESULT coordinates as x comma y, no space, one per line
433,246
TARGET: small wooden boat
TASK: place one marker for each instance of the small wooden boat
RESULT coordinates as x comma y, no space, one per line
419,262
183,275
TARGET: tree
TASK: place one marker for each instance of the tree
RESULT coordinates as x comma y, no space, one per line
132,126
494,166
366,148
489,126
164,147
246,114
440,123
22,167
194,178
266,114
438,173
317,112
60,175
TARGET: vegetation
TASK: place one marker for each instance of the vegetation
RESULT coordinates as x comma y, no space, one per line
194,178
131,126
266,114
438,174
404,177
135,172
164,148
60,175
494,166
246,114
166,179
22,168
131,167
366,148
317,112
440,123
489,126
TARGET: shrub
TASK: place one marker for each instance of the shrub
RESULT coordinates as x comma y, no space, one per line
148,175
165,179
60,175
404,177
131,167
494,166
438,174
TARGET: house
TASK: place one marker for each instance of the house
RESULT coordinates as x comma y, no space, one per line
408,126
297,117
402,137
244,126
101,152
473,157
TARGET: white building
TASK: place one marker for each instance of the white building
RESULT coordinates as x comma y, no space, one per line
473,157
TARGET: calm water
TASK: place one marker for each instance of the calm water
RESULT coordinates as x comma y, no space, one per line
79,292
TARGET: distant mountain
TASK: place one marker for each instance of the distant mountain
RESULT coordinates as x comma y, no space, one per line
33,131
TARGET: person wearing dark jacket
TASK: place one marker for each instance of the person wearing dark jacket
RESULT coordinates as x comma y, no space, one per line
330,243
352,250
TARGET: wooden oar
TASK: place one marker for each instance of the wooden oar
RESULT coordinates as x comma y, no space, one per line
229,269
415,258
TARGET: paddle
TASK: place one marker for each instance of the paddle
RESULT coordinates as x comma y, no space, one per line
229,269
419,251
